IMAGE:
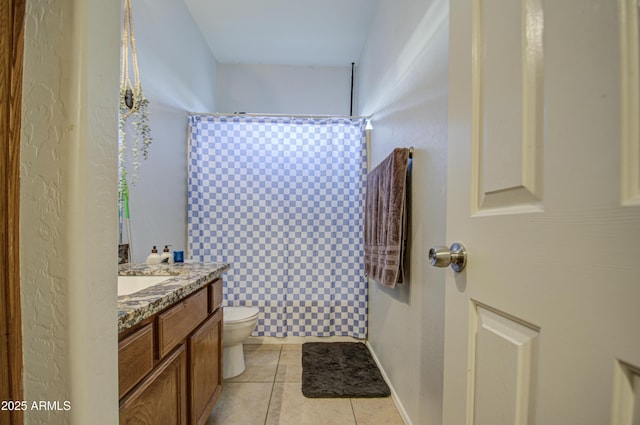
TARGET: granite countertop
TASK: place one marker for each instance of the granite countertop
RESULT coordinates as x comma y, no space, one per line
184,279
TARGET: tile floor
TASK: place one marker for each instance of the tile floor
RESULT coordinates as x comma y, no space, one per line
268,393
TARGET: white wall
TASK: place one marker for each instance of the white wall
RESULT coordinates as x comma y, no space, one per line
403,83
283,89
67,213
178,74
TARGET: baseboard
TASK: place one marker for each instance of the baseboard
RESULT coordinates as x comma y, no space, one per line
298,339
394,394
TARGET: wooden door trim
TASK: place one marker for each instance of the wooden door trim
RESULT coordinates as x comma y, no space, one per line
12,13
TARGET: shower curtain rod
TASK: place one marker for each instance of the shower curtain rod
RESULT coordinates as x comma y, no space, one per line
235,114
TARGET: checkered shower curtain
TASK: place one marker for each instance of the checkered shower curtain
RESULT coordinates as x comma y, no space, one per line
282,200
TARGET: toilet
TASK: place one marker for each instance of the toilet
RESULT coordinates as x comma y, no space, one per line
238,323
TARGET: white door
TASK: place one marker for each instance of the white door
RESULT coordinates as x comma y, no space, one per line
543,325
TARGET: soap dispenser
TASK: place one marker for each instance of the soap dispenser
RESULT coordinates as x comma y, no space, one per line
154,258
166,256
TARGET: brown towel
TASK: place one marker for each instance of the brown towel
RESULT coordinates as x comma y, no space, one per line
385,219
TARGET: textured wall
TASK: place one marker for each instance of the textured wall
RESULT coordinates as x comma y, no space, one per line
403,83
68,214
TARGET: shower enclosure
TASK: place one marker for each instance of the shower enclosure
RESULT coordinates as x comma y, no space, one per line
282,200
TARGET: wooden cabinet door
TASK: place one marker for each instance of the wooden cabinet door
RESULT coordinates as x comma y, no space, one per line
205,350
215,295
161,398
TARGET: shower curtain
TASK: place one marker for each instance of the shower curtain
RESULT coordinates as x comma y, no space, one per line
282,200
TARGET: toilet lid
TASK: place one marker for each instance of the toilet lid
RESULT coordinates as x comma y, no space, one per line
239,314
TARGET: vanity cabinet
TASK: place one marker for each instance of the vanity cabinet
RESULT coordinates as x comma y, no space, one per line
170,365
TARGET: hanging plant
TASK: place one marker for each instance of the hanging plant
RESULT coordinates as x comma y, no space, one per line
134,118
134,106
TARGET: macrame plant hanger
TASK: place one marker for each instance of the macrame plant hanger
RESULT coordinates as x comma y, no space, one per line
133,103
128,39
134,115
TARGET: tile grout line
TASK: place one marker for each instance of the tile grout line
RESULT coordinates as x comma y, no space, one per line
273,385
353,410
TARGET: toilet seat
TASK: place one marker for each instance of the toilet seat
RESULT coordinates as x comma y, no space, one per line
233,315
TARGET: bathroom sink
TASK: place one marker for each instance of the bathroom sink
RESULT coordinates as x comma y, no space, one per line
130,284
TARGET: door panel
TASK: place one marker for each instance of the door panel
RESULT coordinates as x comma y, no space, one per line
542,325
507,99
630,62
503,364
626,390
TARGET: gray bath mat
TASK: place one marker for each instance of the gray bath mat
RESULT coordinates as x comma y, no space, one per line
340,370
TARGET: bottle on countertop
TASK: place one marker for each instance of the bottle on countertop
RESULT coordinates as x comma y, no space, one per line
166,256
154,257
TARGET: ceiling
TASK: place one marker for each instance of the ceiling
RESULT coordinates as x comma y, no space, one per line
284,32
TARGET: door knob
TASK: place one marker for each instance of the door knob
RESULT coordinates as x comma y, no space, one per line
455,256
